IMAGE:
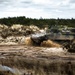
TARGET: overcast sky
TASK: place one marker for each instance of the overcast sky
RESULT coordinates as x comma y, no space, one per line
38,8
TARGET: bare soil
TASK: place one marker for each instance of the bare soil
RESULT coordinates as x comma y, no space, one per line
30,58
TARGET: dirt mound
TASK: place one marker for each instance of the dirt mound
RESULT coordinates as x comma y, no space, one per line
49,43
17,29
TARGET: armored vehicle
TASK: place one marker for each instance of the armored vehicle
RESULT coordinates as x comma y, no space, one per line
66,39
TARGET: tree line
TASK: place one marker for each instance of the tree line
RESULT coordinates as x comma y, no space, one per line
38,22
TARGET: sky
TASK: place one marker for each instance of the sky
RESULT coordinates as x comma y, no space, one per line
38,8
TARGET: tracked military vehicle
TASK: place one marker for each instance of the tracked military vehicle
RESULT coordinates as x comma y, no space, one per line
66,39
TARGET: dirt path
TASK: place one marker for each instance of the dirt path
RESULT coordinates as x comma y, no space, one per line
34,60
33,52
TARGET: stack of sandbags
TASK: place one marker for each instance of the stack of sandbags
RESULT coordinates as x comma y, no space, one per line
49,43
28,41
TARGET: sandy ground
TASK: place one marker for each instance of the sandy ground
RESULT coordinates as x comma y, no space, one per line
32,52
23,57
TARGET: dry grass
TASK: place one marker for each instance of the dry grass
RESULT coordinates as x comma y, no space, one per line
42,67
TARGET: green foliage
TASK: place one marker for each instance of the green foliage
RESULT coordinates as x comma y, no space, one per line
38,22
